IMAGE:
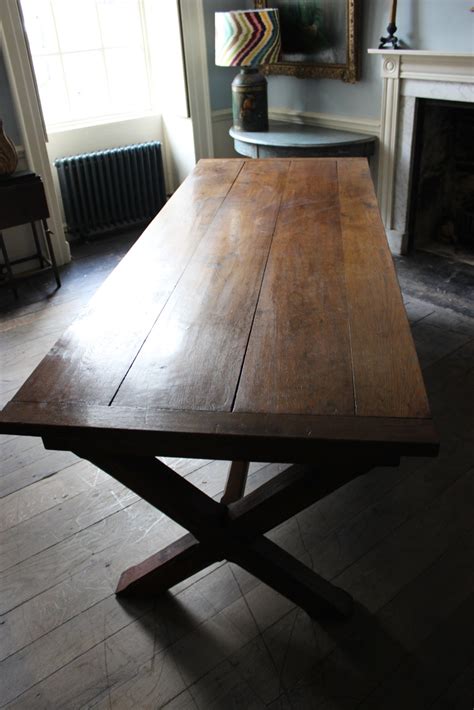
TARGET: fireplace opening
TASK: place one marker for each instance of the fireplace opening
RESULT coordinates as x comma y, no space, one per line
441,202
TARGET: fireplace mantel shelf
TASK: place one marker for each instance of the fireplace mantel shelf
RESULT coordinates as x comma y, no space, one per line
426,65
421,53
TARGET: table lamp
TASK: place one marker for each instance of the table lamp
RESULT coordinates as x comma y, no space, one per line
248,39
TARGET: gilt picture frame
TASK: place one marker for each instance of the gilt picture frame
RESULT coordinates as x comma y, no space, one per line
319,39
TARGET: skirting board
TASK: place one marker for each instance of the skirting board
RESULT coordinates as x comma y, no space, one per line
368,126
355,124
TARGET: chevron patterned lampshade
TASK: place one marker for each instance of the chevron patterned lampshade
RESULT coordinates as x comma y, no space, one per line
247,38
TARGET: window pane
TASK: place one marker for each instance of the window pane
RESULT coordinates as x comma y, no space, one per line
52,89
119,23
128,81
39,25
77,24
96,57
87,84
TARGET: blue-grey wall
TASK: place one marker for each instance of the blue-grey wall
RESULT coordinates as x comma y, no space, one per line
7,109
438,25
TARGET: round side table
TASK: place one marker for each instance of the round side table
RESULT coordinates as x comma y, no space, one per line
290,140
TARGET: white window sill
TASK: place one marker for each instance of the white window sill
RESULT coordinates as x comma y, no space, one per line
100,121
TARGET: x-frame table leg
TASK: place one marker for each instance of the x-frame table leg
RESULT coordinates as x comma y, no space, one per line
233,532
176,562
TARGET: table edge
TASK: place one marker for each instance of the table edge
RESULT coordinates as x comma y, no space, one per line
197,434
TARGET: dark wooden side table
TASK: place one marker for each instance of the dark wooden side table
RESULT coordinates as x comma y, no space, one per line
290,140
23,201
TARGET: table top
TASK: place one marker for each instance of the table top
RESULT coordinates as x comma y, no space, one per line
259,314
291,135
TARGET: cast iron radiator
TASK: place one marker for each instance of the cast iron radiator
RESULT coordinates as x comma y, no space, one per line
111,189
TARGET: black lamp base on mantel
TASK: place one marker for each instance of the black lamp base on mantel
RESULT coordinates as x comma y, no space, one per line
385,42
249,100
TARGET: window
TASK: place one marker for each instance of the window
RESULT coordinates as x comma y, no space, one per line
90,58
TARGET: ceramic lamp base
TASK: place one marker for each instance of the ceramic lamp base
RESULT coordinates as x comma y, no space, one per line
249,100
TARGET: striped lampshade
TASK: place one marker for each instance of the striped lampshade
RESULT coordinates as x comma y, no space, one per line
247,37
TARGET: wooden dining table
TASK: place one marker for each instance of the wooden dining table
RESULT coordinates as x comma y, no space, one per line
258,318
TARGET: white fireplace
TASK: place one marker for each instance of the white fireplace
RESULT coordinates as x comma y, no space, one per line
408,75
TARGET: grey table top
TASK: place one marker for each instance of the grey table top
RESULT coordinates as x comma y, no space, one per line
288,135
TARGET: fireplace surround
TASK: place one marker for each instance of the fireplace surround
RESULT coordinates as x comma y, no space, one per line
408,75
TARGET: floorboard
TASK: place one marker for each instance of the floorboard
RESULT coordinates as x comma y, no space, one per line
401,540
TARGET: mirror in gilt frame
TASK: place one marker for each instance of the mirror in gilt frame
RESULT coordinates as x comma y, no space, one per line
319,39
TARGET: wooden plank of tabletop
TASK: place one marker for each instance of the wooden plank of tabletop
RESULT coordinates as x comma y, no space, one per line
299,358
387,376
90,360
193,356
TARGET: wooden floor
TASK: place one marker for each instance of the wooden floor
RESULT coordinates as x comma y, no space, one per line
400,540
